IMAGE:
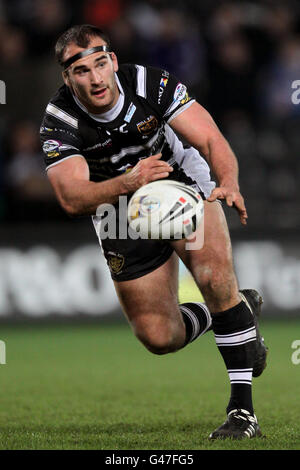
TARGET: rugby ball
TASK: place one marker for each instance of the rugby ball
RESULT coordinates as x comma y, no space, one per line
165,209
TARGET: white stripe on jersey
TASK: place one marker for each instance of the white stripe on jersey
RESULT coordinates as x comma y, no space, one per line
62,115
179,111
175,105
141,89
133,149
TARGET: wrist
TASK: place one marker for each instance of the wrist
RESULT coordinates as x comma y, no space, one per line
124,184
230,183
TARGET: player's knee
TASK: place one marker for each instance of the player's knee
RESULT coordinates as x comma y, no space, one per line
160,347
159,337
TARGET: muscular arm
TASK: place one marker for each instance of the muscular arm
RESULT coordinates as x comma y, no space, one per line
79,196
196,125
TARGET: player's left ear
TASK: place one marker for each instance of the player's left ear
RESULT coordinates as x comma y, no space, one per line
114,61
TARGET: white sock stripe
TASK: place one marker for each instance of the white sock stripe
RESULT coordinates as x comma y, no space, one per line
240,337
239,343
233,376
231,335
247,382
208,316
194,321
250,369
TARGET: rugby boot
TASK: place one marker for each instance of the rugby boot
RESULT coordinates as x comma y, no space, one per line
254,300
240,424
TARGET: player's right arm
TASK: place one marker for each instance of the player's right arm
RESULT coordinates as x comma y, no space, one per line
79,196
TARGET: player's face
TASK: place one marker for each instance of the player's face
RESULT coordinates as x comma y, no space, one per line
92,78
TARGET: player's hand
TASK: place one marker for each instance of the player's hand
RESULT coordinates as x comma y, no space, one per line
233,199
145,171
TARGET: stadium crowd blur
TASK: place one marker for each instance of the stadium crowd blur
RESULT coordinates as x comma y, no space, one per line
239,58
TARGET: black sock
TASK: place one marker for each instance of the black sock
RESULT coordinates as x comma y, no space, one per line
235,336
197,320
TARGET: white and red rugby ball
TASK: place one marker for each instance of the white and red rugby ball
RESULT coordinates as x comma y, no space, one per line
165,209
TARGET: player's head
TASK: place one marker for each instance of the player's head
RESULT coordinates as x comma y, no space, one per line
89,66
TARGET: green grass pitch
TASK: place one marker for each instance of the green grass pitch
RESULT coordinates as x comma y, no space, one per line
96,387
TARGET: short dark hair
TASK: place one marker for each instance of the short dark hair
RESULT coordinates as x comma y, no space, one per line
80,35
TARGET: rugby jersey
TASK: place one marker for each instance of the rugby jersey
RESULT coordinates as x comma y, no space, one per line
135,128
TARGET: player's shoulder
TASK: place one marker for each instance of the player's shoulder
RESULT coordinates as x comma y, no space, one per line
61,107
141,77
130,71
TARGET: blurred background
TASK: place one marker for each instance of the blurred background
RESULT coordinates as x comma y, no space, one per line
240,59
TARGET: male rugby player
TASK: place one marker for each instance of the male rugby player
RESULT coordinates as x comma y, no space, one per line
110,130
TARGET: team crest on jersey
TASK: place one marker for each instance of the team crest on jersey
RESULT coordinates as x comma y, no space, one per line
51,148
115,262
147,126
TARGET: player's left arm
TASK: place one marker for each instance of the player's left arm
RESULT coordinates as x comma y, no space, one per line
197,126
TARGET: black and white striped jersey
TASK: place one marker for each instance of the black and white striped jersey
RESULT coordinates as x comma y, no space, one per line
135,128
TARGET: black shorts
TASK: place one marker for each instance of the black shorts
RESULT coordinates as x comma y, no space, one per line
130,259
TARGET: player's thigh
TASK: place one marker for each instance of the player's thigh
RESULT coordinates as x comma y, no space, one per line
217,245
212,265
150,302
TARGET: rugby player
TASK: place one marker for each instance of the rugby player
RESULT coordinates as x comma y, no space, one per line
108,131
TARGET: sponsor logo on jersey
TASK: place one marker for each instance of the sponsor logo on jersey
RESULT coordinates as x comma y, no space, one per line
185,99
46,129
125,168
162,86
115,262
105,144
180,92
147,126
130,112
52,148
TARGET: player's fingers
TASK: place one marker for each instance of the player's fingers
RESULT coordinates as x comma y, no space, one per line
160,163
158,176
217,193
229,200
243,216
158,171
239,204
155,157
